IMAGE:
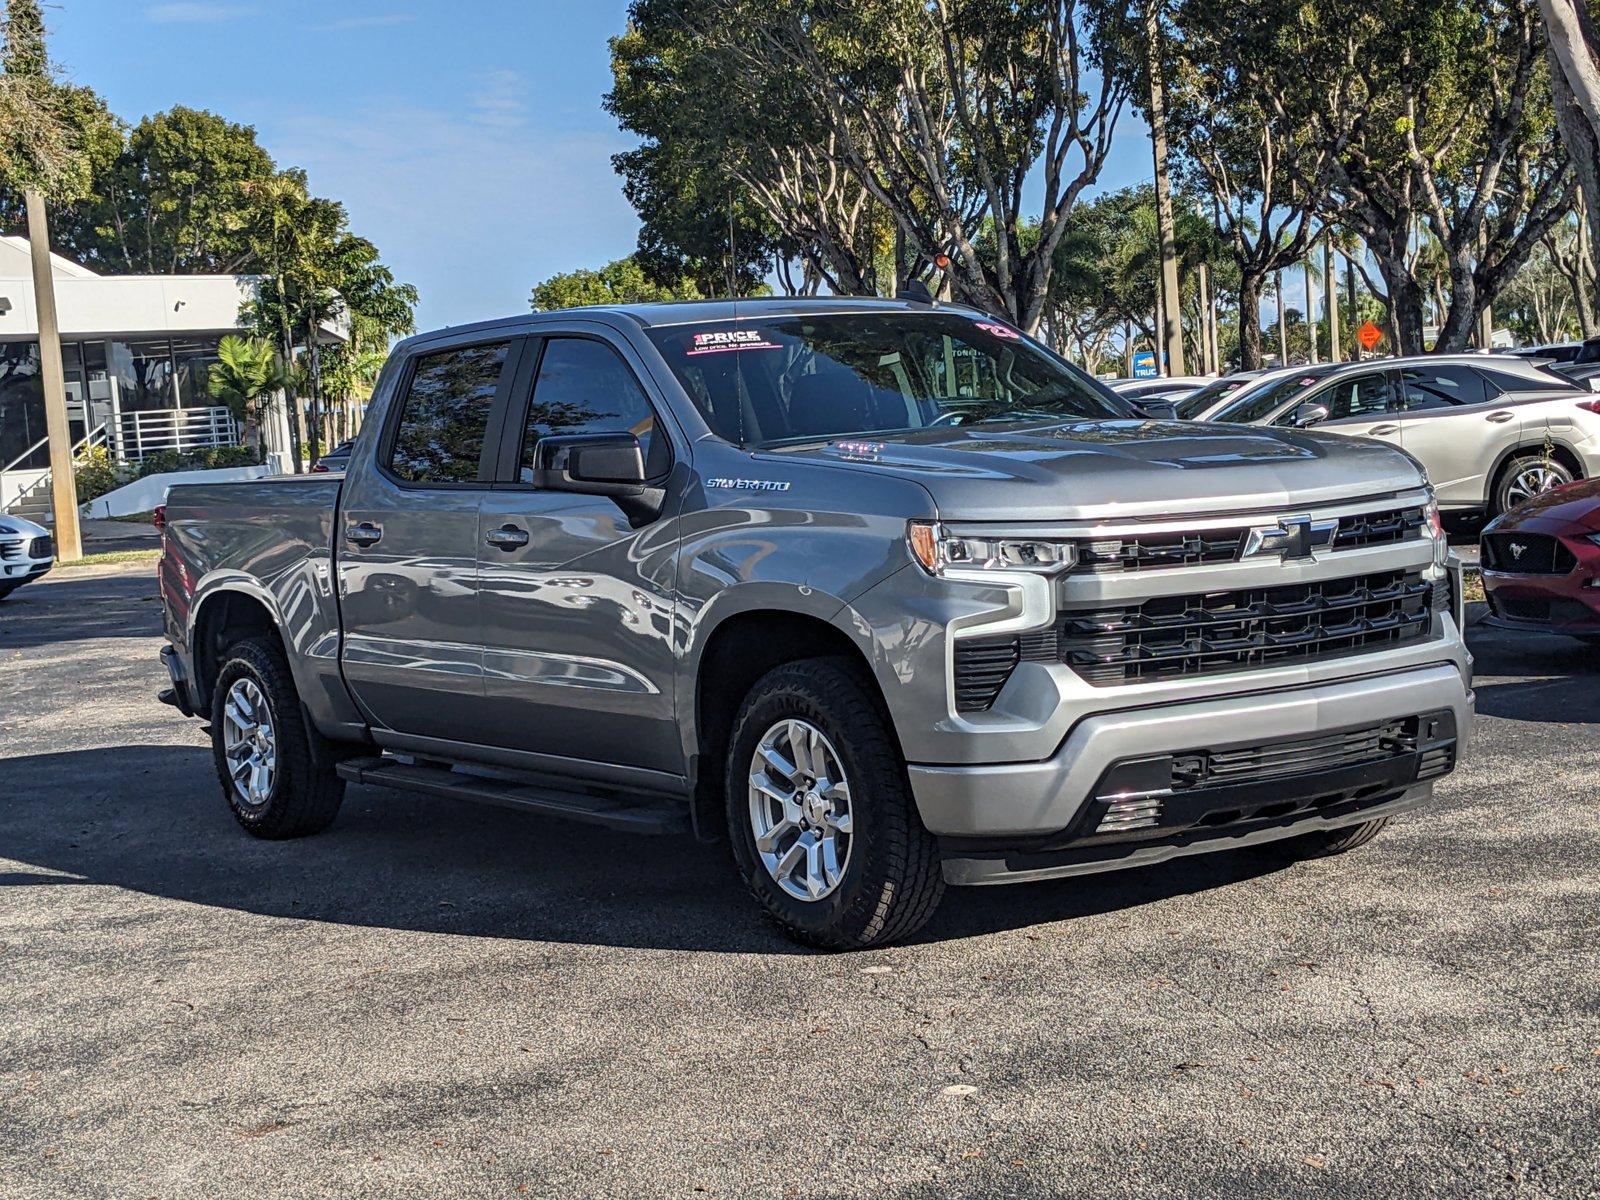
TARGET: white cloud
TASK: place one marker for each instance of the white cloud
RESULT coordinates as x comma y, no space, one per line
375,21
173,13
499,99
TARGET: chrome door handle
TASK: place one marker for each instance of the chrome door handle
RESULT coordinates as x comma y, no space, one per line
1501,417
507,537
1383,430
364,534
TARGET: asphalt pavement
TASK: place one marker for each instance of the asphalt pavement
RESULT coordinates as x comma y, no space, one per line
439,1000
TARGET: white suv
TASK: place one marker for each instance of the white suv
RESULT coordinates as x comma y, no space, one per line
27,551
1490,430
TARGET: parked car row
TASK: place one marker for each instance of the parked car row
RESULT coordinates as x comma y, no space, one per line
1491,431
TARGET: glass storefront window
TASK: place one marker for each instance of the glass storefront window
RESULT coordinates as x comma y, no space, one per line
21,405
194,358
143,371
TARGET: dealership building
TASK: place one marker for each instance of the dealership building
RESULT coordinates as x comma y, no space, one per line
136,351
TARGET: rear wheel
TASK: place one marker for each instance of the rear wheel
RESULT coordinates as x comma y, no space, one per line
1526,476
820,814
272,781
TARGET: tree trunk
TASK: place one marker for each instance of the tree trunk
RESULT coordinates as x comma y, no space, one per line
1250,321
1405,303
1574,50
291,403
1171,326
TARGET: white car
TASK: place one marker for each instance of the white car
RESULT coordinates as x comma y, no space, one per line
27,551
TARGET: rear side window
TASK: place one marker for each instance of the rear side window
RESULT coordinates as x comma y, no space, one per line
584,386
1429,388
445,416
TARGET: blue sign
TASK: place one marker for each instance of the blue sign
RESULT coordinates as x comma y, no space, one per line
1144,364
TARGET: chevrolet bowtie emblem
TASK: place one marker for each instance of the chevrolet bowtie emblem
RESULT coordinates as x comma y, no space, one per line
1291,538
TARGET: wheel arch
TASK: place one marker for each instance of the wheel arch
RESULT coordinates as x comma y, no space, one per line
1559,450
223,615
747,641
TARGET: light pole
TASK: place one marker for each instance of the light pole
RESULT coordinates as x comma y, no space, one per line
63,487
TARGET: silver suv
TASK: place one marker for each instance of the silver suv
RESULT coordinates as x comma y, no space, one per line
1491,431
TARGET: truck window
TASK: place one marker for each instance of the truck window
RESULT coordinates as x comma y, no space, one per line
584,386
442,424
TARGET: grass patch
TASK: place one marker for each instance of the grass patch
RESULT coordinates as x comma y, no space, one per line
1472,585
111,558
138,518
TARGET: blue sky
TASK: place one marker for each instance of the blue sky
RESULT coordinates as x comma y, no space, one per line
466,137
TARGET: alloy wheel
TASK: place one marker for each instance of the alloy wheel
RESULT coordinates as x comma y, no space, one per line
1533,479
249,742
800,809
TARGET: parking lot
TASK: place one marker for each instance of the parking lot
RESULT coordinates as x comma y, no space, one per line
459,1001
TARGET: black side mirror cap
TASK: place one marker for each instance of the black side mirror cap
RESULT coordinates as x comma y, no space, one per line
1158,410
590,464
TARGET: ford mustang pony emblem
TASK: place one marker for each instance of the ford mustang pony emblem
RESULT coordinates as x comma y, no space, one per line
1516,550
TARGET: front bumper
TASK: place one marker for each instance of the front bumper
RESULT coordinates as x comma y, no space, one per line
1031,800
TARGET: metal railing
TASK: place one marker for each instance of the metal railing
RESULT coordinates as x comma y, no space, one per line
133,436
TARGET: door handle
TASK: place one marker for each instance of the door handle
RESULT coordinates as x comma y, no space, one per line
507,537
364,534
1383,430
1501,417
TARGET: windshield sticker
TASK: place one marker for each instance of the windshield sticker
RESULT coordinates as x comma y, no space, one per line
1000,331
721,341
747,485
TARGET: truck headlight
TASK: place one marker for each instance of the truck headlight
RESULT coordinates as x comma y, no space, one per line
939,550
1433,527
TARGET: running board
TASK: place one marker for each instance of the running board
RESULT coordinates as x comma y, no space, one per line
650,817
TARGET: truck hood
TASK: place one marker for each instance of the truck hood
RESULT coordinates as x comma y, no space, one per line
1112,469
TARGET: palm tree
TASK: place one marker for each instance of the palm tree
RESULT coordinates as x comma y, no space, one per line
247,373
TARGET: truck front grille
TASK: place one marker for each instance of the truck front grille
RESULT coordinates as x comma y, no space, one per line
1173,636
1156,549
1208,633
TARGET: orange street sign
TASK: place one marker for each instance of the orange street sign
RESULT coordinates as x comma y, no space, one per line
1369,335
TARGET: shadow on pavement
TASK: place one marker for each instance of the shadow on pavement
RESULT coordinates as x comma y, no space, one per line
150,819
64,609
1534,676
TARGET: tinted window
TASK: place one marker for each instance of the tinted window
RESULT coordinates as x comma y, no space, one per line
1545,380
1363,396
827,375
1254,403
446,413
1192,405
584,386
1430,388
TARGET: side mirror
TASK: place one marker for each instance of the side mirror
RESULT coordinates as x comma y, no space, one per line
1158,410
591,464
1308,415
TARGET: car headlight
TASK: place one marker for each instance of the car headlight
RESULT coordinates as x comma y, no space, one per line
939,550
1593,537
1433,528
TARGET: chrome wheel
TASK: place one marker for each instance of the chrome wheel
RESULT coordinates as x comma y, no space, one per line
249,742
1533,478
800,809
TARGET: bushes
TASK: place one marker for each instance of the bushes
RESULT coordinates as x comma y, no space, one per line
97,473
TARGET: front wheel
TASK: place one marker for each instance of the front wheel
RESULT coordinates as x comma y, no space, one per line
270,777
1527,476
820,814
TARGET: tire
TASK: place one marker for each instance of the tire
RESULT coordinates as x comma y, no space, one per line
7,590
889,878
1526,475
298,796
1327,842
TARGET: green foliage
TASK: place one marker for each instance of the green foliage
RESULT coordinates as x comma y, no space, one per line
620,282
247,372
41,142
96,473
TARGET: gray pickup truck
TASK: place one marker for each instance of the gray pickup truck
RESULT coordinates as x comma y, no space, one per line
885,593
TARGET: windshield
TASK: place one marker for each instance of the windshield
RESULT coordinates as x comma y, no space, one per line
1260,401
1195,403
808,377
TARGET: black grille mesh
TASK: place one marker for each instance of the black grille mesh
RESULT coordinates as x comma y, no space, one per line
1527,554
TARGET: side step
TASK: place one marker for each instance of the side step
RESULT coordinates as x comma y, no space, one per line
653,816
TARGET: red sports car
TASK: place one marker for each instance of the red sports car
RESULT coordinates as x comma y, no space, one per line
1541,563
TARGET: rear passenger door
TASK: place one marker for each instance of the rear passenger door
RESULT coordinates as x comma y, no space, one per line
577,597
408,544
1455,425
